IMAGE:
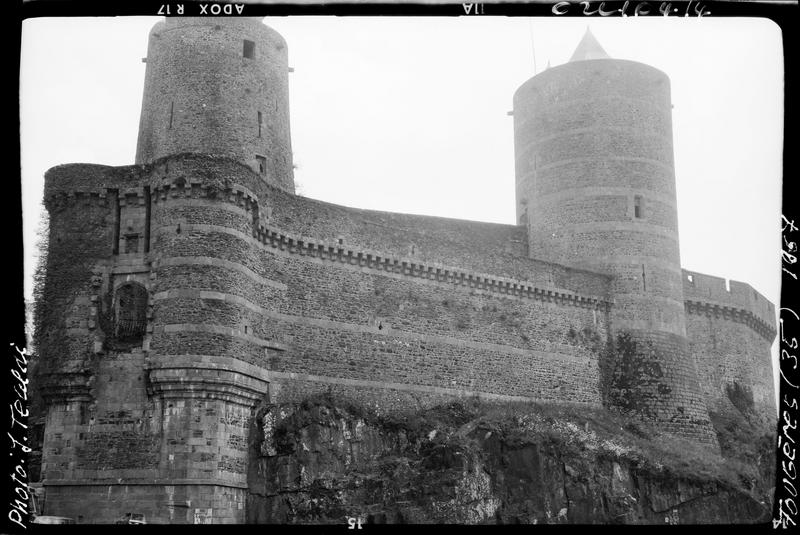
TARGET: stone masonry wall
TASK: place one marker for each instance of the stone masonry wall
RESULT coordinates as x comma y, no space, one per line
297,311
238,302
250,286
170,503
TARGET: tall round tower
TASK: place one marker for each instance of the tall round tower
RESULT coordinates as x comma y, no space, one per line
218,86
595,184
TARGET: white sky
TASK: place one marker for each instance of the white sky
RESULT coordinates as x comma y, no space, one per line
409,115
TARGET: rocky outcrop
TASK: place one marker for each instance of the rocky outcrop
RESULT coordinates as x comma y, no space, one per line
324,461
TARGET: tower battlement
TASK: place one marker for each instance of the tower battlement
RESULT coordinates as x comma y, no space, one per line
718,291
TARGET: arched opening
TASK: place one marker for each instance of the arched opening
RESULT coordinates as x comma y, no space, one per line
130,313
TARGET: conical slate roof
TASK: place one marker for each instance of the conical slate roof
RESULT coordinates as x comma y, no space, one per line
589,48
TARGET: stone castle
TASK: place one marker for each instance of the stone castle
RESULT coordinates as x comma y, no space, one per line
185,289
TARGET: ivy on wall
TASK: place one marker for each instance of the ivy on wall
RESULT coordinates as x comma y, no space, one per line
630,374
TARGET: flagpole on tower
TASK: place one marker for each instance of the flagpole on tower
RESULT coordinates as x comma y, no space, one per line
533,49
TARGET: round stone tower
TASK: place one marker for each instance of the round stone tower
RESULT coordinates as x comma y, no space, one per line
218,86
595,185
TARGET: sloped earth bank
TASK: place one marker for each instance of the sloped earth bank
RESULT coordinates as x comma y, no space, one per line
327,460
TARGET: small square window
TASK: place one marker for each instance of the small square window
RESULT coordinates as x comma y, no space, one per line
638,207
249,50
131,243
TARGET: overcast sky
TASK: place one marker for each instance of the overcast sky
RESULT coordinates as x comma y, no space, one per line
409,115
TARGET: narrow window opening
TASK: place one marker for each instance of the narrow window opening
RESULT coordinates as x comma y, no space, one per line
727,285
380,326
644,281
147,210
171,113
690,278
638,209
249,50
259,124
245,329
117,222
341,241
262,164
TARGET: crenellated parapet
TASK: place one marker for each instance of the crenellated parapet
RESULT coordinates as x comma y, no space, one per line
233,194
76,180
83,178
64,199
409,267
734,300
188,184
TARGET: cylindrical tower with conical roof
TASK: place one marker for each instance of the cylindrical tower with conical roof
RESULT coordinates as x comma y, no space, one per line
218,86
595,184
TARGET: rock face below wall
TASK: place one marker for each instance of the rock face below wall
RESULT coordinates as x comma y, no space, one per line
323,461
